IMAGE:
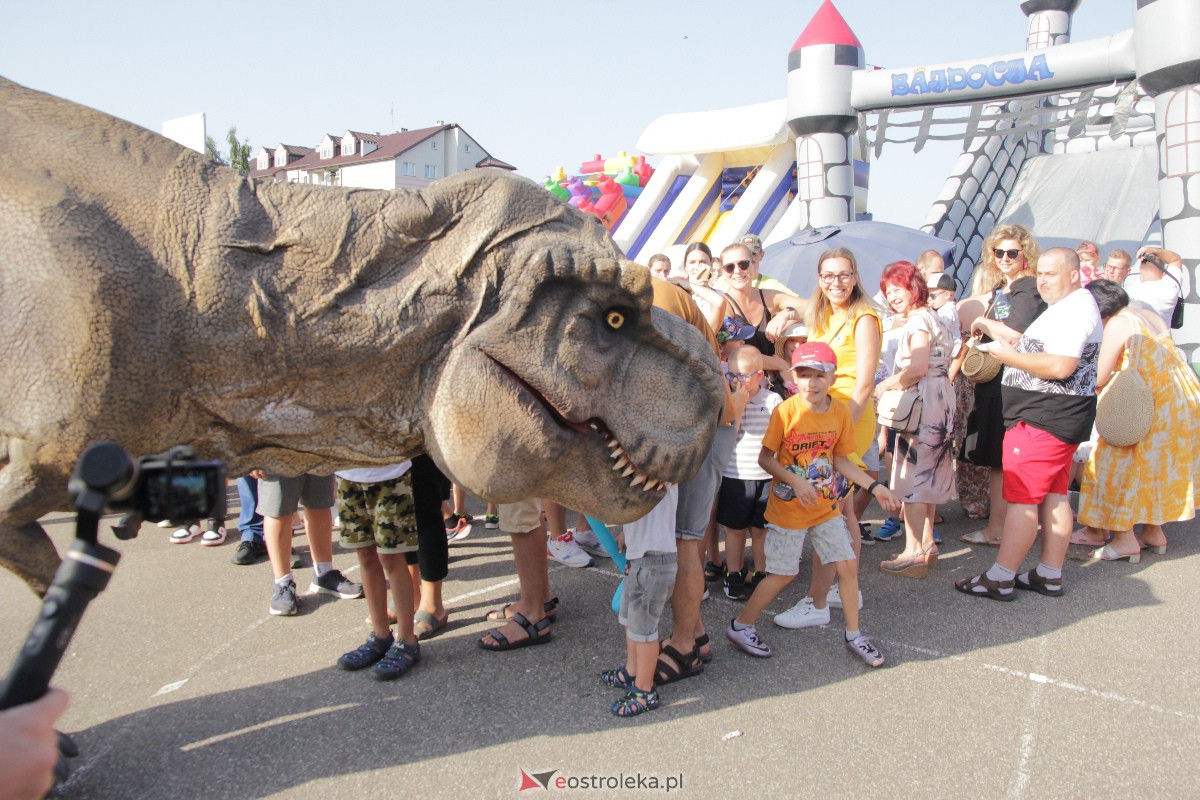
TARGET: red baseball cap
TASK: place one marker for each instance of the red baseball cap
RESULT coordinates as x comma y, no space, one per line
814,355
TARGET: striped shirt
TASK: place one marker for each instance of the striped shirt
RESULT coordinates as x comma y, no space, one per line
743,463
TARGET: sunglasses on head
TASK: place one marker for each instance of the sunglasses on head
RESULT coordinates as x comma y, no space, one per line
1013,255
743,265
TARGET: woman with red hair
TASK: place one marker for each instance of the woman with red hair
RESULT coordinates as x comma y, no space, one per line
923,469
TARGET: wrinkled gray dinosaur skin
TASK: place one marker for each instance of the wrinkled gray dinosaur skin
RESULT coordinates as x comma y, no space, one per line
152,297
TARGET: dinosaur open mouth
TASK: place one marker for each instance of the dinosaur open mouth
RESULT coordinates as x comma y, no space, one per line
621,461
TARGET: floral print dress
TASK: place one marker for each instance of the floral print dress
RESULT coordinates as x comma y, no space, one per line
1156,480
924,468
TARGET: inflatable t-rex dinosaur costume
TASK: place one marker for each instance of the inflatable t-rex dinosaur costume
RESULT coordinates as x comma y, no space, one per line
153,297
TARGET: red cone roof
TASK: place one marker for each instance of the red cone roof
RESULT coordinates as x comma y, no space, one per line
827,27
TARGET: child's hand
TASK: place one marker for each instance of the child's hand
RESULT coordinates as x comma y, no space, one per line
888,500
806,493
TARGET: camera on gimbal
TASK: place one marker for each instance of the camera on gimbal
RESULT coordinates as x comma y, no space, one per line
175,486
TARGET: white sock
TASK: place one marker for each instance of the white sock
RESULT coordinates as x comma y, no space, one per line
321,567
852,635
281,581
999,573
737,626
1049,573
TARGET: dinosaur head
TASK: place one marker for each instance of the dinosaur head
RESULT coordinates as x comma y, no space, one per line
564,383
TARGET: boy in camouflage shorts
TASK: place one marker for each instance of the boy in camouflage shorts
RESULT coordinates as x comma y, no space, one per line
379,523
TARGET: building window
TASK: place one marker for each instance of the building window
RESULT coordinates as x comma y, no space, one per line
327,150
430,171
348,148
409,169
810,170
466,148
264,161
1181,135
433,144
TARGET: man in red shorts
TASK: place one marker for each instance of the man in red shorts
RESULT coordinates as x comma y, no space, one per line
1049,392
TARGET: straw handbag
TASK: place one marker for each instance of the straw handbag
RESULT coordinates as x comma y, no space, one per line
1125,409
979,366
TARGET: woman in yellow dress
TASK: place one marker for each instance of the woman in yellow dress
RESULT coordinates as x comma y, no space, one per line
1154,481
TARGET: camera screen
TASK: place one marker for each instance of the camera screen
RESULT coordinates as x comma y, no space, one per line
181,494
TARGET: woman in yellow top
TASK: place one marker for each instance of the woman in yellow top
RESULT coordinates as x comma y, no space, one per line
842,314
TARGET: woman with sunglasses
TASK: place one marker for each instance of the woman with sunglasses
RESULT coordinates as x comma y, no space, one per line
842,314
768,311
1009,251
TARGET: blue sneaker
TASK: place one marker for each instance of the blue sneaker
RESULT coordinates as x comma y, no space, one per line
890,529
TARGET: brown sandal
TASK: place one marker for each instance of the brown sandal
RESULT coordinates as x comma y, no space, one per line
991,588
549,608
683,666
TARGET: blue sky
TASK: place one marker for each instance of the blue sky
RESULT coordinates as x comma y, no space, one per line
539,83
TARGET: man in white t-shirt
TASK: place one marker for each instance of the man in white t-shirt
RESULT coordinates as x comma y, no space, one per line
1156,287
1049,392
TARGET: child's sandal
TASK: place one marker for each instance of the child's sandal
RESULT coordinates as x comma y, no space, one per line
636,702
616,679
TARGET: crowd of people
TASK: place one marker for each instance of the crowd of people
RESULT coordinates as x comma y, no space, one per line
799,453
796,455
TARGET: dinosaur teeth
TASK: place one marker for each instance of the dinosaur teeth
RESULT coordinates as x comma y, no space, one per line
629,471
641,477
653,485
622,462
618,453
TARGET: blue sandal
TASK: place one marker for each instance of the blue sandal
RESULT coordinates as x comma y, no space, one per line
616,679
400,659
367,654
636,702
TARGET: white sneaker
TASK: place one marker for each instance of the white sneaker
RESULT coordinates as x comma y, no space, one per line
747,640
164,523
803,615
589,542
565,551
186,534
834,598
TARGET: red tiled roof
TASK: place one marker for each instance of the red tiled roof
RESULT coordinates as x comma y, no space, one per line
389,147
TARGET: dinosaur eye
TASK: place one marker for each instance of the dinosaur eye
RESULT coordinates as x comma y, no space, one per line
615,319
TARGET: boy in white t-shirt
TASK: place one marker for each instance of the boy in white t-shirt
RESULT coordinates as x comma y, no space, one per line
742,496
650,564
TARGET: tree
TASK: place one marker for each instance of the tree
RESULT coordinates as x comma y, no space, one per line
210,150
239,152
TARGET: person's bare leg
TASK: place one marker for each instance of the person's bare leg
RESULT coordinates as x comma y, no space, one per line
685,599
458,497
1153,536
641,661
397,573
1020,530
277,535
847,572
319,524
556,518
533,575
1056,519
999,506
735,549
822,580
374,583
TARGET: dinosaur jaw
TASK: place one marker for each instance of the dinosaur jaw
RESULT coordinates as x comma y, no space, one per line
622,463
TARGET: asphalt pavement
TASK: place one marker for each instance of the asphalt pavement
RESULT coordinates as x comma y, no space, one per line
182,685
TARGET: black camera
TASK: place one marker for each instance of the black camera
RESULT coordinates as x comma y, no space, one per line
175,485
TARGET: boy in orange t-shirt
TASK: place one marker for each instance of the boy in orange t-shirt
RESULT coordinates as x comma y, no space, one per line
806,450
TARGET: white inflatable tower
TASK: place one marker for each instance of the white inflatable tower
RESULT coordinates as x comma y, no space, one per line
822,119
1167,44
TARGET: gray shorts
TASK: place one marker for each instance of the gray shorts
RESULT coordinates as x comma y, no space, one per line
649,581
696,497
871,457
279,496
783,546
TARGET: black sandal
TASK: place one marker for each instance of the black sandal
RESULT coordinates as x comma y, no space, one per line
534,634
683,666
701,641
549,608
713,571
